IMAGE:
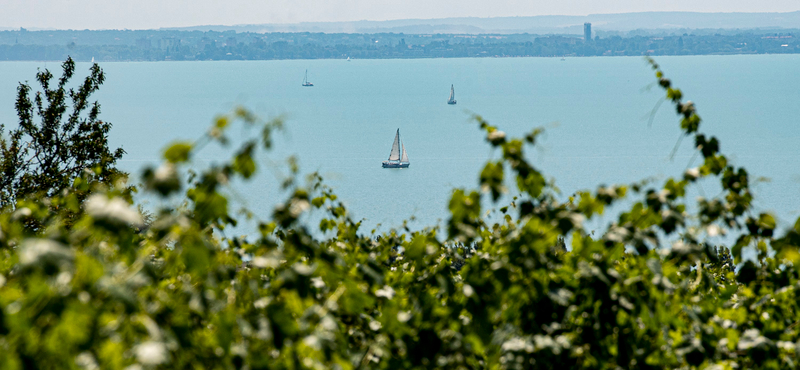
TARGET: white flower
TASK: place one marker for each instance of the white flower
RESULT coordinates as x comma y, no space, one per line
21,213
496,135
35,251
403,316
714,230
165,172
386,292
261,303
317,282
265,261
114,210
85,360
151,353
517,345
468,290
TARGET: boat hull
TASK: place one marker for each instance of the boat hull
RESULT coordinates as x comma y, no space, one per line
395,164
452,102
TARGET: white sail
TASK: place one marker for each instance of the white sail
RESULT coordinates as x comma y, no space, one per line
405,155
395,154
305,80
452,93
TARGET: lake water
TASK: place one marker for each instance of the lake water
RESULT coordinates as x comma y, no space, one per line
595,111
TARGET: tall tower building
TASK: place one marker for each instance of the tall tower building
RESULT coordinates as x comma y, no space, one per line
587,32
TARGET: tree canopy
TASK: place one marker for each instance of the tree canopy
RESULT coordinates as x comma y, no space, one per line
56,139
649,291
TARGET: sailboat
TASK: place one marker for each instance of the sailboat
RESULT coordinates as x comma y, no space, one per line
396,160
305,81
452,99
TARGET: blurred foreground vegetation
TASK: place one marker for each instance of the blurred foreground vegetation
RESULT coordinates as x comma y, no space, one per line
88,281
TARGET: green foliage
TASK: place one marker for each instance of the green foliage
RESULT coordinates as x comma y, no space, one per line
59,143
533,290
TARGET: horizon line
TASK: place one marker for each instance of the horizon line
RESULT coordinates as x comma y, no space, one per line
371,20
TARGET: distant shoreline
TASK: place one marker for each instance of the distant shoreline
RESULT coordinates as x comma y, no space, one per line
422,58
136,46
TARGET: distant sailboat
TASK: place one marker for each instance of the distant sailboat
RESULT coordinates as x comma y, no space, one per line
348,59
452,99
92,60
305,81
396,160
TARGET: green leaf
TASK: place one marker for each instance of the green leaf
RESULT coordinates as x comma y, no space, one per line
491,179
221,122
178,152
243,163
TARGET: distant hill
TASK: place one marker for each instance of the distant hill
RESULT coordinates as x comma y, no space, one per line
559,24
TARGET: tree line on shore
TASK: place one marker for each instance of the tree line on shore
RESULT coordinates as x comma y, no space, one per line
196,45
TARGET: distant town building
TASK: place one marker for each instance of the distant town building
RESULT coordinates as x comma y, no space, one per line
169,43
587,32
143,43
259,42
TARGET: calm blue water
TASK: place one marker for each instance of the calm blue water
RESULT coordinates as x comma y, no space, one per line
594,109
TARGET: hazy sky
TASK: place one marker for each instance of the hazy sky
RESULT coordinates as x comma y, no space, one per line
138,14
